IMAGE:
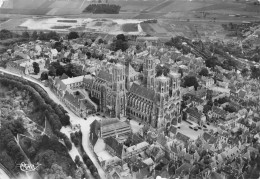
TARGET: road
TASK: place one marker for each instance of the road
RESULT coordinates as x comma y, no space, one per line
85,124
3,175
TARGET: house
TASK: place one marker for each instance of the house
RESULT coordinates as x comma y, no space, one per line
136,149
217,112
195,116
75,82
76,102
24,66
155,152
256,121
113,147
139,169
183,170
172,131
87,82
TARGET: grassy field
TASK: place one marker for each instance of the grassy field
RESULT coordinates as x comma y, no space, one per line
185,6
130,27
147,28
160,6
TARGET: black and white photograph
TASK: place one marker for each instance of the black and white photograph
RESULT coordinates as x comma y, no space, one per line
129,89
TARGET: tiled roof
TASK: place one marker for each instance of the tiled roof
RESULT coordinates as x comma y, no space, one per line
115,126
93,136
105,76
215,175
194,113
182,137
73,80
74,100
196,99
161,139
218,111
185,168
115,145
142,91
63,76
88,79
241,93
173,129
256,119
206,136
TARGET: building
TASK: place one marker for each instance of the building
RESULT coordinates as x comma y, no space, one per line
24,66
76,102
155,102
136,149
109,89
114,128
72,83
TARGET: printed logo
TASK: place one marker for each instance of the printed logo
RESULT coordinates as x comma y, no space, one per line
28,167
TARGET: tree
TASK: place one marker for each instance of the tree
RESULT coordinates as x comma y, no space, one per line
230,109
5,34
34,35
52,35
25,35
52,71
191,81
211,62
85,157
36,67
42,36
79,173
47,158
65,120
73,35
255,72
244,72
67,143
44,76
58,46
77,160
7,161
121,37
56,69
204,72
180,71
56,172
162,69
119,45
206,109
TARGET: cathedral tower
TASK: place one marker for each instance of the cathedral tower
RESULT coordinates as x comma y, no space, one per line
118,78
175,97
162,88
149,72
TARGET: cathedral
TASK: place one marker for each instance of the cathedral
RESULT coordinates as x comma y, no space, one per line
155,101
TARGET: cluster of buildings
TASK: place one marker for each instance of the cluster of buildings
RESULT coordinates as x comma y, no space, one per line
211,132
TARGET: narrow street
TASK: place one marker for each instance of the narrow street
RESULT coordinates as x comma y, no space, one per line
85,124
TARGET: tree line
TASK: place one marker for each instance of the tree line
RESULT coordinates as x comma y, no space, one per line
76,138
55,114
102,9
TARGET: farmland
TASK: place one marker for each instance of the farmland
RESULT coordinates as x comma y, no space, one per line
175,17
130,27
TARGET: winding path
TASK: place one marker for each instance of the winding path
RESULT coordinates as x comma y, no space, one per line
85,124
